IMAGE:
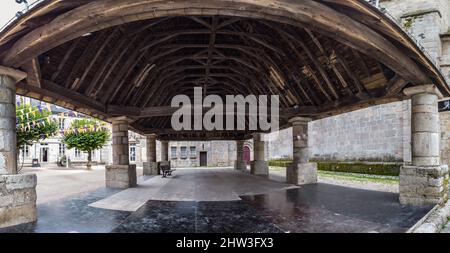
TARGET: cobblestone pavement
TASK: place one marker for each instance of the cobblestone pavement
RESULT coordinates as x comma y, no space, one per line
311,208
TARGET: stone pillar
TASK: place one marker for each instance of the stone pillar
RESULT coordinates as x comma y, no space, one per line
164,154
8,150
426,180
301,171
240,164
164,151
120,174
17,191
259,166
150,167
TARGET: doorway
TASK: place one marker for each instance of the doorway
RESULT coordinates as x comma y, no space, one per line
203,158
247,155
44,155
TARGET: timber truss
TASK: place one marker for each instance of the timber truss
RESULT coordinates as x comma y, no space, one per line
129,58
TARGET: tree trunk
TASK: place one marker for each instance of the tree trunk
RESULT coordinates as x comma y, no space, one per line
89,165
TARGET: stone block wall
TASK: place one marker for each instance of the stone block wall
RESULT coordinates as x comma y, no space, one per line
378,133
423,185
219,153
17,199
445,137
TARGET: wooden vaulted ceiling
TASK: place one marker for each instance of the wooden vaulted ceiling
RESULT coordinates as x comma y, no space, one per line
86,57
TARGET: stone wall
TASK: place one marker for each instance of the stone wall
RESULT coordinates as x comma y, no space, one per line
378,133
445,137
219,153
17,199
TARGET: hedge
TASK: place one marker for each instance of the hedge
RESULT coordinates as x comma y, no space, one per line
386,169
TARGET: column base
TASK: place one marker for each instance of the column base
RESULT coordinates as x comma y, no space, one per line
17,199
259,168
423,185
301,173
240,165
150,168
121,176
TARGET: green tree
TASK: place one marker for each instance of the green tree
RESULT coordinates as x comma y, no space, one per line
33,124
86,135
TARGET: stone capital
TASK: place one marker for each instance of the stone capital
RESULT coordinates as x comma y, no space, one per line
258,136
423,89
299,120
151,136
120,119
16,75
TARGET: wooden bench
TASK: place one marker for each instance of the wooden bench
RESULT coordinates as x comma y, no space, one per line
166,171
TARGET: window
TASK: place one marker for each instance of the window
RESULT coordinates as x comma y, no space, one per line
183,152
193,152
26,151
132,152
173,152
61,123
77,153
62,149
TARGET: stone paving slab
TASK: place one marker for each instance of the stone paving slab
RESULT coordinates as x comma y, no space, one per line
203,184
310,208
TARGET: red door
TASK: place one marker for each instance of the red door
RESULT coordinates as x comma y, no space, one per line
247,155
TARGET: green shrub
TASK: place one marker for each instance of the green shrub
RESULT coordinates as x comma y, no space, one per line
386,169
280,162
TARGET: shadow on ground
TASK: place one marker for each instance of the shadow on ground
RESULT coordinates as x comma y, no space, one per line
311,208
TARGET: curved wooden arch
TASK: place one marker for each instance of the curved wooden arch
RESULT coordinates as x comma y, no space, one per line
100,15
140,53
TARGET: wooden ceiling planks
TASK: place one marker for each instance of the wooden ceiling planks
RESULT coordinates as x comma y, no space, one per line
336,56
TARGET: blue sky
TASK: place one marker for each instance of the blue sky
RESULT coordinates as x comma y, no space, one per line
8,8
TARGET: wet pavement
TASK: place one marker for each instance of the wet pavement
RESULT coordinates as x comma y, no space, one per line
311,208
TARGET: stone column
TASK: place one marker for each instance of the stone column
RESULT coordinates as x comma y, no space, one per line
120,174
17,191
164,154
150,167
240,164
301,171
259,166
426,180
164,151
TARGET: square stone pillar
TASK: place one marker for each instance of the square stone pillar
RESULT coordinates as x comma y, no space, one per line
150,167
120,174
17,191
164,155
259,166
301,171
240,164
426,180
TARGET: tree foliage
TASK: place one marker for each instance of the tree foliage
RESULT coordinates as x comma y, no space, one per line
33,124
86,135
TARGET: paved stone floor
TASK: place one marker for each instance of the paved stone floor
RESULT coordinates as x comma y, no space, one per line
311,208
197,185
55,183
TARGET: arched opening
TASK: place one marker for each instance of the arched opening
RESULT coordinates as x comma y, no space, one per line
247,155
